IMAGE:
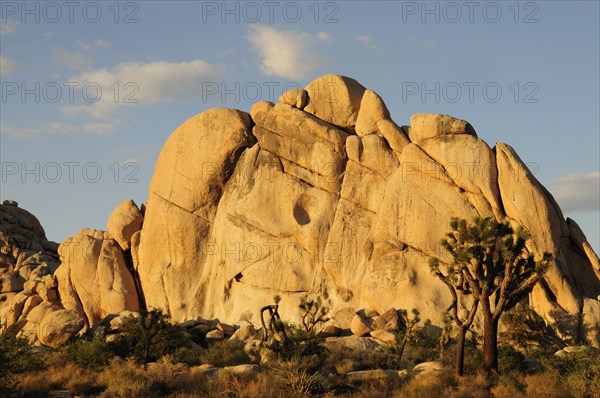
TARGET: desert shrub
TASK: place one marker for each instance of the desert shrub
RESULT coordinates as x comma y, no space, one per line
523,324
342,360
511,360
580,371
186,356
125,378
225,353
376,388
148,337
547,384
226,385
428,385
298,377
301,343
68,377
584,381
415,353
89,353
472,386
473,357
509,386
16,357
569,363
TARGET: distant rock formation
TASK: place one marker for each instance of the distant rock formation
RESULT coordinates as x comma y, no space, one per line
27,263
321,195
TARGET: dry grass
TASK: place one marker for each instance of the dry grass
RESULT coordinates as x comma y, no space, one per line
477,386
511,385
548,384
128,379
68,377
321,374
427,386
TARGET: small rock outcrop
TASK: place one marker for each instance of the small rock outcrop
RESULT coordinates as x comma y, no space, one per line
28,260
125,220
93,278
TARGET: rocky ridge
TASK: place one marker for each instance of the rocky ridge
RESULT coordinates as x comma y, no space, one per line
321,195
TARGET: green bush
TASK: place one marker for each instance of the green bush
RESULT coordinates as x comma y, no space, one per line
511,360
523,324
579,371
344,360
473,357
15,358
225,353
148,337
186,356
89,353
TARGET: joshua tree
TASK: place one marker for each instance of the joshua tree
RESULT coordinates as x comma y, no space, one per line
276,329
410,325
458,290
492,264
313,315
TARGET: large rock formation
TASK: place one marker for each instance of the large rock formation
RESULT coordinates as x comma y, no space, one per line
321,195
336,200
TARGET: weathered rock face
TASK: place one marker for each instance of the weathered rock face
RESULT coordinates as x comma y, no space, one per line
320,196
125,220
27,262
335,99
335,200
191,175
93,278
58,327
25,253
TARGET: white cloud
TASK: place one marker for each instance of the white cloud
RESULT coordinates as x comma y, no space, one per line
72,60
85,46
421,43
324,37
139,83
51,130
8,26
367,41
7,65
136,154
56,130
579,192
102,43
98,128
285,53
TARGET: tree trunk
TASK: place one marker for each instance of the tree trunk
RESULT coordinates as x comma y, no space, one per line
403,346
460,351
490,344
146,355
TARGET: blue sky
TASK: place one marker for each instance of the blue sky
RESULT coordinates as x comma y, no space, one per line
91,90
